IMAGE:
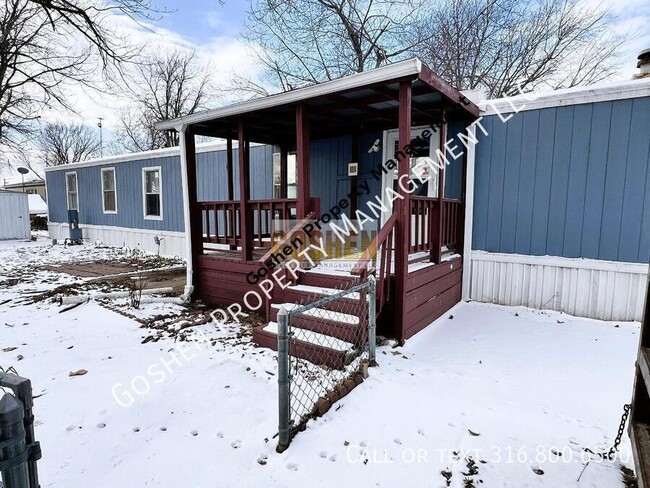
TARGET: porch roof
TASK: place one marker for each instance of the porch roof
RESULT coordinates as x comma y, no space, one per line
363,101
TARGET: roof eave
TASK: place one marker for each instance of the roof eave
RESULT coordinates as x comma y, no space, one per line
403,69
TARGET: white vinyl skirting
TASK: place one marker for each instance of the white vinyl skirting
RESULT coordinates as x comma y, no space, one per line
172,243
605,290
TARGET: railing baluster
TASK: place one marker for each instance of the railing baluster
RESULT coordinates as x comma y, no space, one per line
206,211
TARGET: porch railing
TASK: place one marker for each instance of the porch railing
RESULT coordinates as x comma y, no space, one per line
381,254
424,223
452,211
222,220
424,216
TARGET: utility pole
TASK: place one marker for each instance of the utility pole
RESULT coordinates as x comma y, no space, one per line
101,140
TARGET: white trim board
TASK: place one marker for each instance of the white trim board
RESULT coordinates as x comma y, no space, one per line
144,155
605,290
152,232
562,262
568,96
393,71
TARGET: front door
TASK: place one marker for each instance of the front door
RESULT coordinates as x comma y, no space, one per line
421,150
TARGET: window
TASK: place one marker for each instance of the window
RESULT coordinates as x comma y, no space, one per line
292,187
72,191
109,195
152,198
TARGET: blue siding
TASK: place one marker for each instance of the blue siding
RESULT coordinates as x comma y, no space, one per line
568,181
128,179
454,170
329,169
211,185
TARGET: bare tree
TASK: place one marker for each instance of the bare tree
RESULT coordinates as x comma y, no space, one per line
301,42
505,45
45,45
169,85
63,143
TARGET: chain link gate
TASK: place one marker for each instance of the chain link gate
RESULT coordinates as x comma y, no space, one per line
324,349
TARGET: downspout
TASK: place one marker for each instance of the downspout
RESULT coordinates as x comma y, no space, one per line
469,213
189,287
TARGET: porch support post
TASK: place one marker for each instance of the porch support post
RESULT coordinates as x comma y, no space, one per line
229,170
436,252
469,214
302,156
230,196
284,161
403,238
245,221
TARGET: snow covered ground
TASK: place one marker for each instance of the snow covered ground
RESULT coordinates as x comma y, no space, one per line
500,389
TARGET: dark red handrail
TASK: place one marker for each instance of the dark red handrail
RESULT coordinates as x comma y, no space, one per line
382,249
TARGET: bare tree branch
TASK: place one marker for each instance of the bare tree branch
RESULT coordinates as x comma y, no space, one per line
170,85
48,45
62,143
504,45
301,42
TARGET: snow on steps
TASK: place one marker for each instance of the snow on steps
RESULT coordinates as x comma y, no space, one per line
336,324
308,345
349,304
327,335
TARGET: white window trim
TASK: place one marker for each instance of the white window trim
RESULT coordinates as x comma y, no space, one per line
67,190
144,192
114,190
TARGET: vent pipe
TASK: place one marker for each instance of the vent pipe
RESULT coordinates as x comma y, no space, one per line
643,64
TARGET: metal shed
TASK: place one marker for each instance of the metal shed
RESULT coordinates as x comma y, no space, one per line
14,215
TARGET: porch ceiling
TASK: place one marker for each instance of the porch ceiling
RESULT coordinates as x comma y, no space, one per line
364,102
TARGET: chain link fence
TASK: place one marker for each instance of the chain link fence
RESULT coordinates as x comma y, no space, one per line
324,350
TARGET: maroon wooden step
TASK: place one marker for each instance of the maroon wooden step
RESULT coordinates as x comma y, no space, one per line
346,331
328,280
352,306
317,354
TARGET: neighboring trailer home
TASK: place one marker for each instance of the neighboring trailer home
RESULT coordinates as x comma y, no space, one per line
129,200
550,208
14,215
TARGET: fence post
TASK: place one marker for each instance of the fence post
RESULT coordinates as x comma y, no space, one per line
372,322
13,469
283,381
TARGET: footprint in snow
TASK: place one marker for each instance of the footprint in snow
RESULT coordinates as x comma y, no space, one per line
101,425
136,429
323,454
195,433
262,459
332,458
163,429
292,467
421,431
236,444
220,435
398,442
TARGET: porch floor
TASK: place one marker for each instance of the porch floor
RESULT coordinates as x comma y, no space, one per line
417,260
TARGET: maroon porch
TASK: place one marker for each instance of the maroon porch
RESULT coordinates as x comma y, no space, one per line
417,254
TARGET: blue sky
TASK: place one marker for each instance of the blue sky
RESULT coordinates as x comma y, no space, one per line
201,20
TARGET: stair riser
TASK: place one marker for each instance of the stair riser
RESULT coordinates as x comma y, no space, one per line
343,305
327,281
304,350
340,330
